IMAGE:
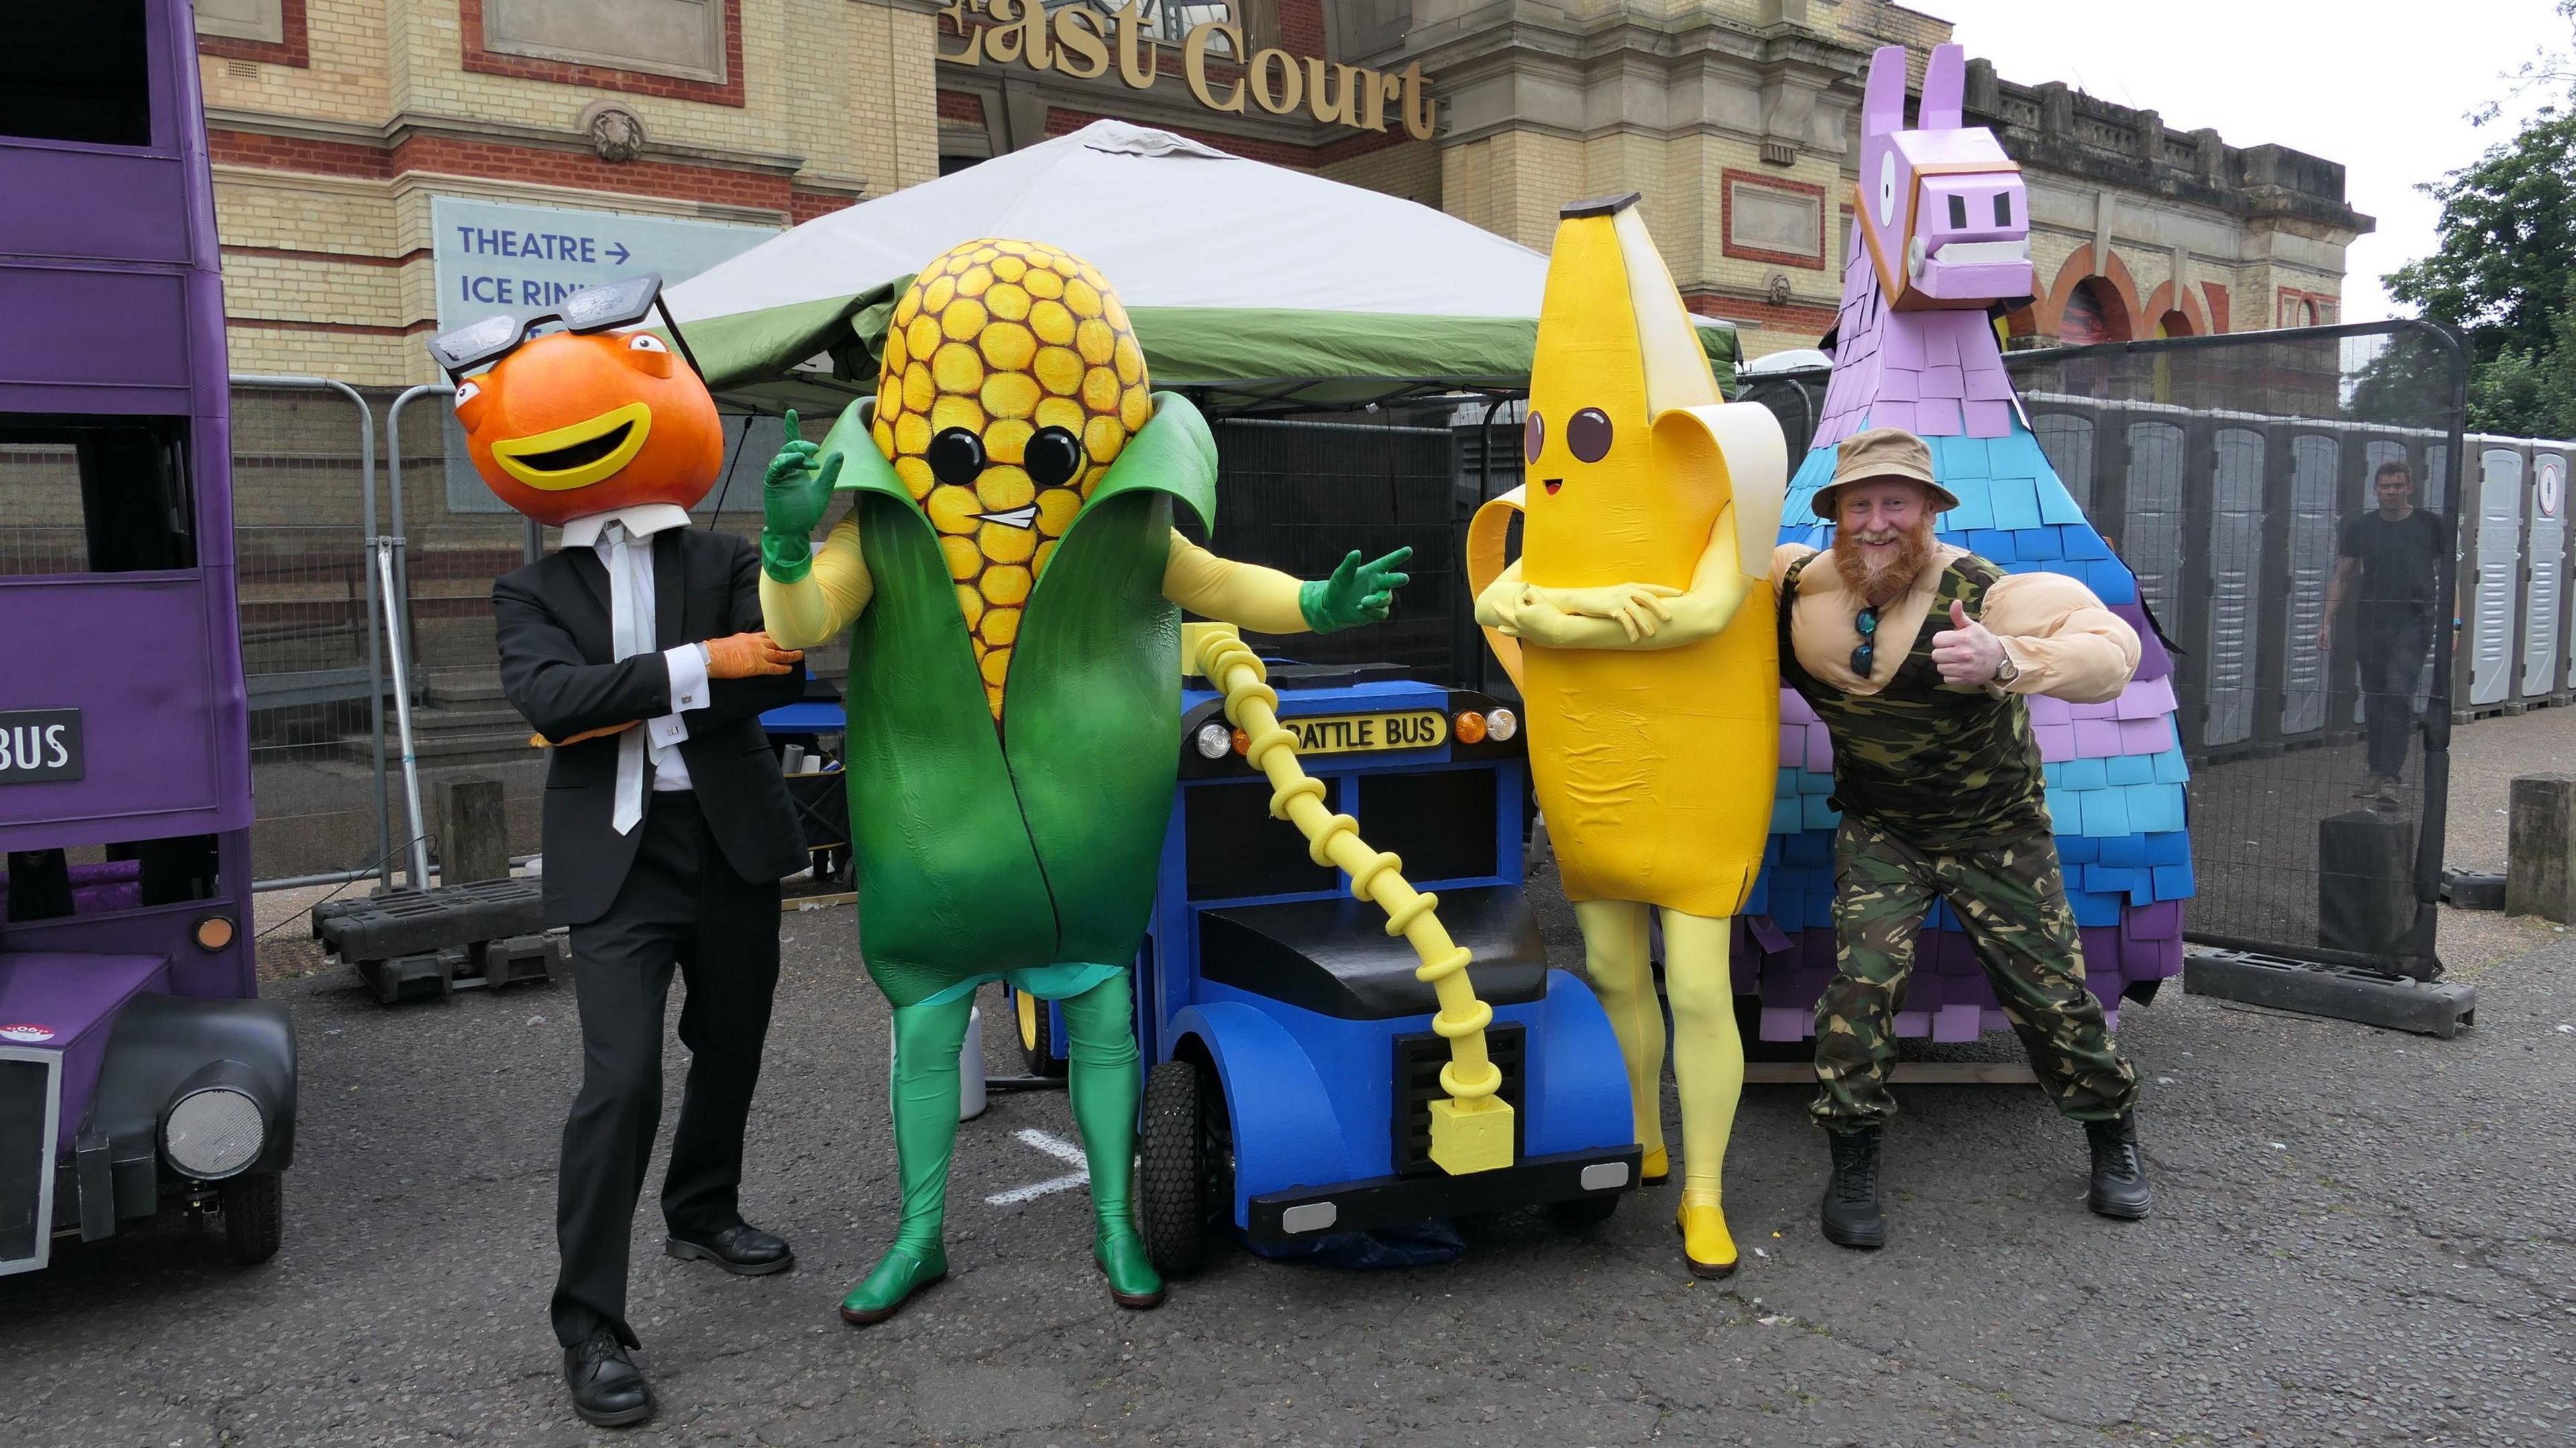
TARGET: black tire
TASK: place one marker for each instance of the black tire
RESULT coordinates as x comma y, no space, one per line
1035,1026
1584,1211
1174,1206
254,1217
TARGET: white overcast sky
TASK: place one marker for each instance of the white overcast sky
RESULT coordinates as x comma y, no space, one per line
2380,86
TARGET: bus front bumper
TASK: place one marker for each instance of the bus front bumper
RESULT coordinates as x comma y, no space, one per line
1306,1213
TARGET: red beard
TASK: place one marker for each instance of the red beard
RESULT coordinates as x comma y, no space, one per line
1880,586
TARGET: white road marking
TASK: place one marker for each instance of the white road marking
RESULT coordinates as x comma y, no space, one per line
1054,1146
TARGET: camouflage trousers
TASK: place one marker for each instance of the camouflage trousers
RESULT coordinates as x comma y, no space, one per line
2012,901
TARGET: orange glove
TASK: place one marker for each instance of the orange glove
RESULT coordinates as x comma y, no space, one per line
539,741
747,655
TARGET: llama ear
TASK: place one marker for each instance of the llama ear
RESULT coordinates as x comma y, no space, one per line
1945,83
1882,105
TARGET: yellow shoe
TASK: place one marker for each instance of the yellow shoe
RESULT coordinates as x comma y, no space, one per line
1705,1244
1656,1169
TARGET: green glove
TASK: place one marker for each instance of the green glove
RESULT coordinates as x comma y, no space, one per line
1357,592
794,494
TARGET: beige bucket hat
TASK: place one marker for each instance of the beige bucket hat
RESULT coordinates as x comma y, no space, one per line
1882,452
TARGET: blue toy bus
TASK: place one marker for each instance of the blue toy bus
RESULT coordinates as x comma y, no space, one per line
1294,1060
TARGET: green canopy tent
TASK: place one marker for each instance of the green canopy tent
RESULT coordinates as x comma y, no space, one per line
1250,286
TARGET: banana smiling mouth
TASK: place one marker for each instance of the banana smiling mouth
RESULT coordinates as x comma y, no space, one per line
577,454
1552,484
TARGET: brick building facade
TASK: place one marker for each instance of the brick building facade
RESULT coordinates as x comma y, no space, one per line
334,122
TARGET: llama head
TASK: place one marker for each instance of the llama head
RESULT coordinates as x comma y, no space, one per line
1942,208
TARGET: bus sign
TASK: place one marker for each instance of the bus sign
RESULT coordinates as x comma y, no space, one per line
40,746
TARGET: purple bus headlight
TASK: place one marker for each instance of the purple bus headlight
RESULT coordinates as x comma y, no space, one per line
214,1132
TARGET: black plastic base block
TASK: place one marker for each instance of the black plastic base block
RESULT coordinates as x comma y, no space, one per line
521,958
426,973
2472,890
410,922
2345,993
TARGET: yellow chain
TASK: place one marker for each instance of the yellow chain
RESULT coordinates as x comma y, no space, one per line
1472,1130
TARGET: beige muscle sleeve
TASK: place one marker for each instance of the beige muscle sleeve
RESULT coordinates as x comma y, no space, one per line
2066,644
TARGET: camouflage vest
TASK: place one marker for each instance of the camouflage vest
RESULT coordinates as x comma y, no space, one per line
1935,766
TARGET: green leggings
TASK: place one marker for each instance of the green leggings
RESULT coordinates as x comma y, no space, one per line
1104,1081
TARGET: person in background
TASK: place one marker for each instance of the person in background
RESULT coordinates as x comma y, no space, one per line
2389,567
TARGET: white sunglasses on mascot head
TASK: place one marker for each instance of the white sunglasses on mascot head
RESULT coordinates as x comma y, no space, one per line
602,308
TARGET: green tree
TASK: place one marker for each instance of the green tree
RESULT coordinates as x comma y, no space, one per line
2502,274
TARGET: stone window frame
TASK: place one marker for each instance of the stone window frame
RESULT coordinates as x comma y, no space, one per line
292,49
1726,183
2285,301
479,60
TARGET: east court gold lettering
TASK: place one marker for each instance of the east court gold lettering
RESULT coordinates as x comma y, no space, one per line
1084,44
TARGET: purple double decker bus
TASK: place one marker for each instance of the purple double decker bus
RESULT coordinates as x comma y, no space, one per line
138,1072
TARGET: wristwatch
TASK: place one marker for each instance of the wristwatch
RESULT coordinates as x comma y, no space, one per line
2006,671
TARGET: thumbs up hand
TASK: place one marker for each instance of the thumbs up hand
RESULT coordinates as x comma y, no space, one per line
1965,652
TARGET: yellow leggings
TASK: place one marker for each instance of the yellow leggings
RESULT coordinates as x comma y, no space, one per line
1708,1054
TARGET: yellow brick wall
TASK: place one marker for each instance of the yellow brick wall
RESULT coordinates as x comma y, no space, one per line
843,84
1411,171
348,77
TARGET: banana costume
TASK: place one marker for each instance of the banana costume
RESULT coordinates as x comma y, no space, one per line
1010,574
1638,624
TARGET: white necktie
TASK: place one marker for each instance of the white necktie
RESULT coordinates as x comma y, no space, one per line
626,640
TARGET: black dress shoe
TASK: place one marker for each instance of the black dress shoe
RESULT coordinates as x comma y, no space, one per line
607,1388
742,1249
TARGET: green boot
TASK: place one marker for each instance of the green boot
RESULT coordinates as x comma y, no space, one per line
1103,1079
1133,1282
923,1092
901,1272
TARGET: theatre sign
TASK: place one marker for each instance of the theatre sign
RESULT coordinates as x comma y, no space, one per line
1083,43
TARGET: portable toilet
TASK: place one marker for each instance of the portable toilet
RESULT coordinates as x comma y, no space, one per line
2544,614
2492,501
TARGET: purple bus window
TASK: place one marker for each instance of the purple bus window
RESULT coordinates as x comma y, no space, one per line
104,879
77,72
85,494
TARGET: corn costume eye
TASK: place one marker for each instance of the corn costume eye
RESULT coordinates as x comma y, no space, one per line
1053,457
956,457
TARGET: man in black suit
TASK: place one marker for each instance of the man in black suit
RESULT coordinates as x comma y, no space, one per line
637,650
667,831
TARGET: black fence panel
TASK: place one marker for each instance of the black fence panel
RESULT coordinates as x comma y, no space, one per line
1299,495
2310,610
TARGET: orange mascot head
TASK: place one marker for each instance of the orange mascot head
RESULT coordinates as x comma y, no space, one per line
588,419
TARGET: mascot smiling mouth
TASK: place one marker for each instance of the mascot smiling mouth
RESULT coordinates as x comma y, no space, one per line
578,454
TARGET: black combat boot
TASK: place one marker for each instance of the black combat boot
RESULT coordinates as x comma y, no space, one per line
2119,1173
1851,1199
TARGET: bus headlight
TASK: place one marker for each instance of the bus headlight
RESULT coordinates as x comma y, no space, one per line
1214,741
214,1132
1501,725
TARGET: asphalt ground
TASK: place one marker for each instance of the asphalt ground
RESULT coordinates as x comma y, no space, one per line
2359,1237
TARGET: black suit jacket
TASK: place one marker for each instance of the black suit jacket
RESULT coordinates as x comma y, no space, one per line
551,618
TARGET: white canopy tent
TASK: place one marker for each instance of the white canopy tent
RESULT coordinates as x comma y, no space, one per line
1243,279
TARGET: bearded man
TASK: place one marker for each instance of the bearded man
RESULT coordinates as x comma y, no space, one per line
1938,779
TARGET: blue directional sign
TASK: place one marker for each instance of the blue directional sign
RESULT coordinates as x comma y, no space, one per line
492,257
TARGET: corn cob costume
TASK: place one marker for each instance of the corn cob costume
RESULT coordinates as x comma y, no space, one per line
1637,627
1013,584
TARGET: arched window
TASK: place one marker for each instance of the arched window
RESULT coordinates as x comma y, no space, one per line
2093,314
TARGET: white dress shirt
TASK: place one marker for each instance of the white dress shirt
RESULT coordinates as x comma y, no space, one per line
623,537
